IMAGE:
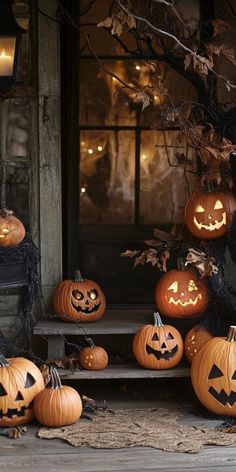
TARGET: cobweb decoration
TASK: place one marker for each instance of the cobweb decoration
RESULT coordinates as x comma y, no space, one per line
30,302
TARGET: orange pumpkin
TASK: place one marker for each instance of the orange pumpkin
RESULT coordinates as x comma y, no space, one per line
213,374
12,231
93,357
158,346
79,300
208,215
196,337
20,381
181,294
57,404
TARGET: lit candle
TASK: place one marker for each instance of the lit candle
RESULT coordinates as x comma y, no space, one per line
6,63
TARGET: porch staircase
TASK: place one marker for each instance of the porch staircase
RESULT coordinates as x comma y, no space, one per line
117,321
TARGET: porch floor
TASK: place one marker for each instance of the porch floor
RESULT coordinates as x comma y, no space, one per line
30,453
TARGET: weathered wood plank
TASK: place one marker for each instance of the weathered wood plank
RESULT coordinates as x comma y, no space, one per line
49,148
56,347
126,371
114,321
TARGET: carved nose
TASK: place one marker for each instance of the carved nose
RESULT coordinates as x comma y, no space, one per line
163,345
19,396
87,302
209,217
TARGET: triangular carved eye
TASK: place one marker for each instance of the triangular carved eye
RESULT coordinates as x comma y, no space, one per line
215,372
200,209
218,205
155,337
29,380
174,287
3,392
234,376
169,336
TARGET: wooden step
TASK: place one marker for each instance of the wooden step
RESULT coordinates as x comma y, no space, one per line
126,371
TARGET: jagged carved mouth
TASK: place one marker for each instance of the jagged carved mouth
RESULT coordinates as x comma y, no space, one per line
212,225
190,301
222,396
161,355
87,310
13,412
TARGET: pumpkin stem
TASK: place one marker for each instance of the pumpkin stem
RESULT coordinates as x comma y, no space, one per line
180,264
4,212
77,276
231,334
90,341
157,319
3,361
55,381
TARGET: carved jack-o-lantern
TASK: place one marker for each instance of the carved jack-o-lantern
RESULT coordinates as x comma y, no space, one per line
20,381
181,294
158,346
12,231
93,357
213,374
79,300
195,338
209,215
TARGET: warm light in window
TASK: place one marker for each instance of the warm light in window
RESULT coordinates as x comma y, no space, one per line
99,148
144,156
90,151
83,189
137,67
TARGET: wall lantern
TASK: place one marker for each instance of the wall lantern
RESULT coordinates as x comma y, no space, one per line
10,39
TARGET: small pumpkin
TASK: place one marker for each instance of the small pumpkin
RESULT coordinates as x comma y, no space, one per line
57,404
12,230
20,381
79,300
158,346
213,374
181,294
196,337
208,215
93,357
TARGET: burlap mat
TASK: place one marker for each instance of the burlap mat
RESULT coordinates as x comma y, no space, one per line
157,428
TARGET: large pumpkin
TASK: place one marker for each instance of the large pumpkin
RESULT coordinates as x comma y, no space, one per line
57,404
213,374
20,381
158,346
12,231
208,215
181,294
79,300
93,357
195,338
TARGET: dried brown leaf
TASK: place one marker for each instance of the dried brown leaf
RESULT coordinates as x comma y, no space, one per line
164,259
142,97
220,26
140,260
152,257
205,264
129,253
229,53
107,23
45,373
153,242
117,27
16,433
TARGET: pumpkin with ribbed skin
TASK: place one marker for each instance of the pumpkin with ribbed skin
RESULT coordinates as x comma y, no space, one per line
181,294
158,346
93,357
12,230
208,215
57,404
20,381
213,374
79,300
196,337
